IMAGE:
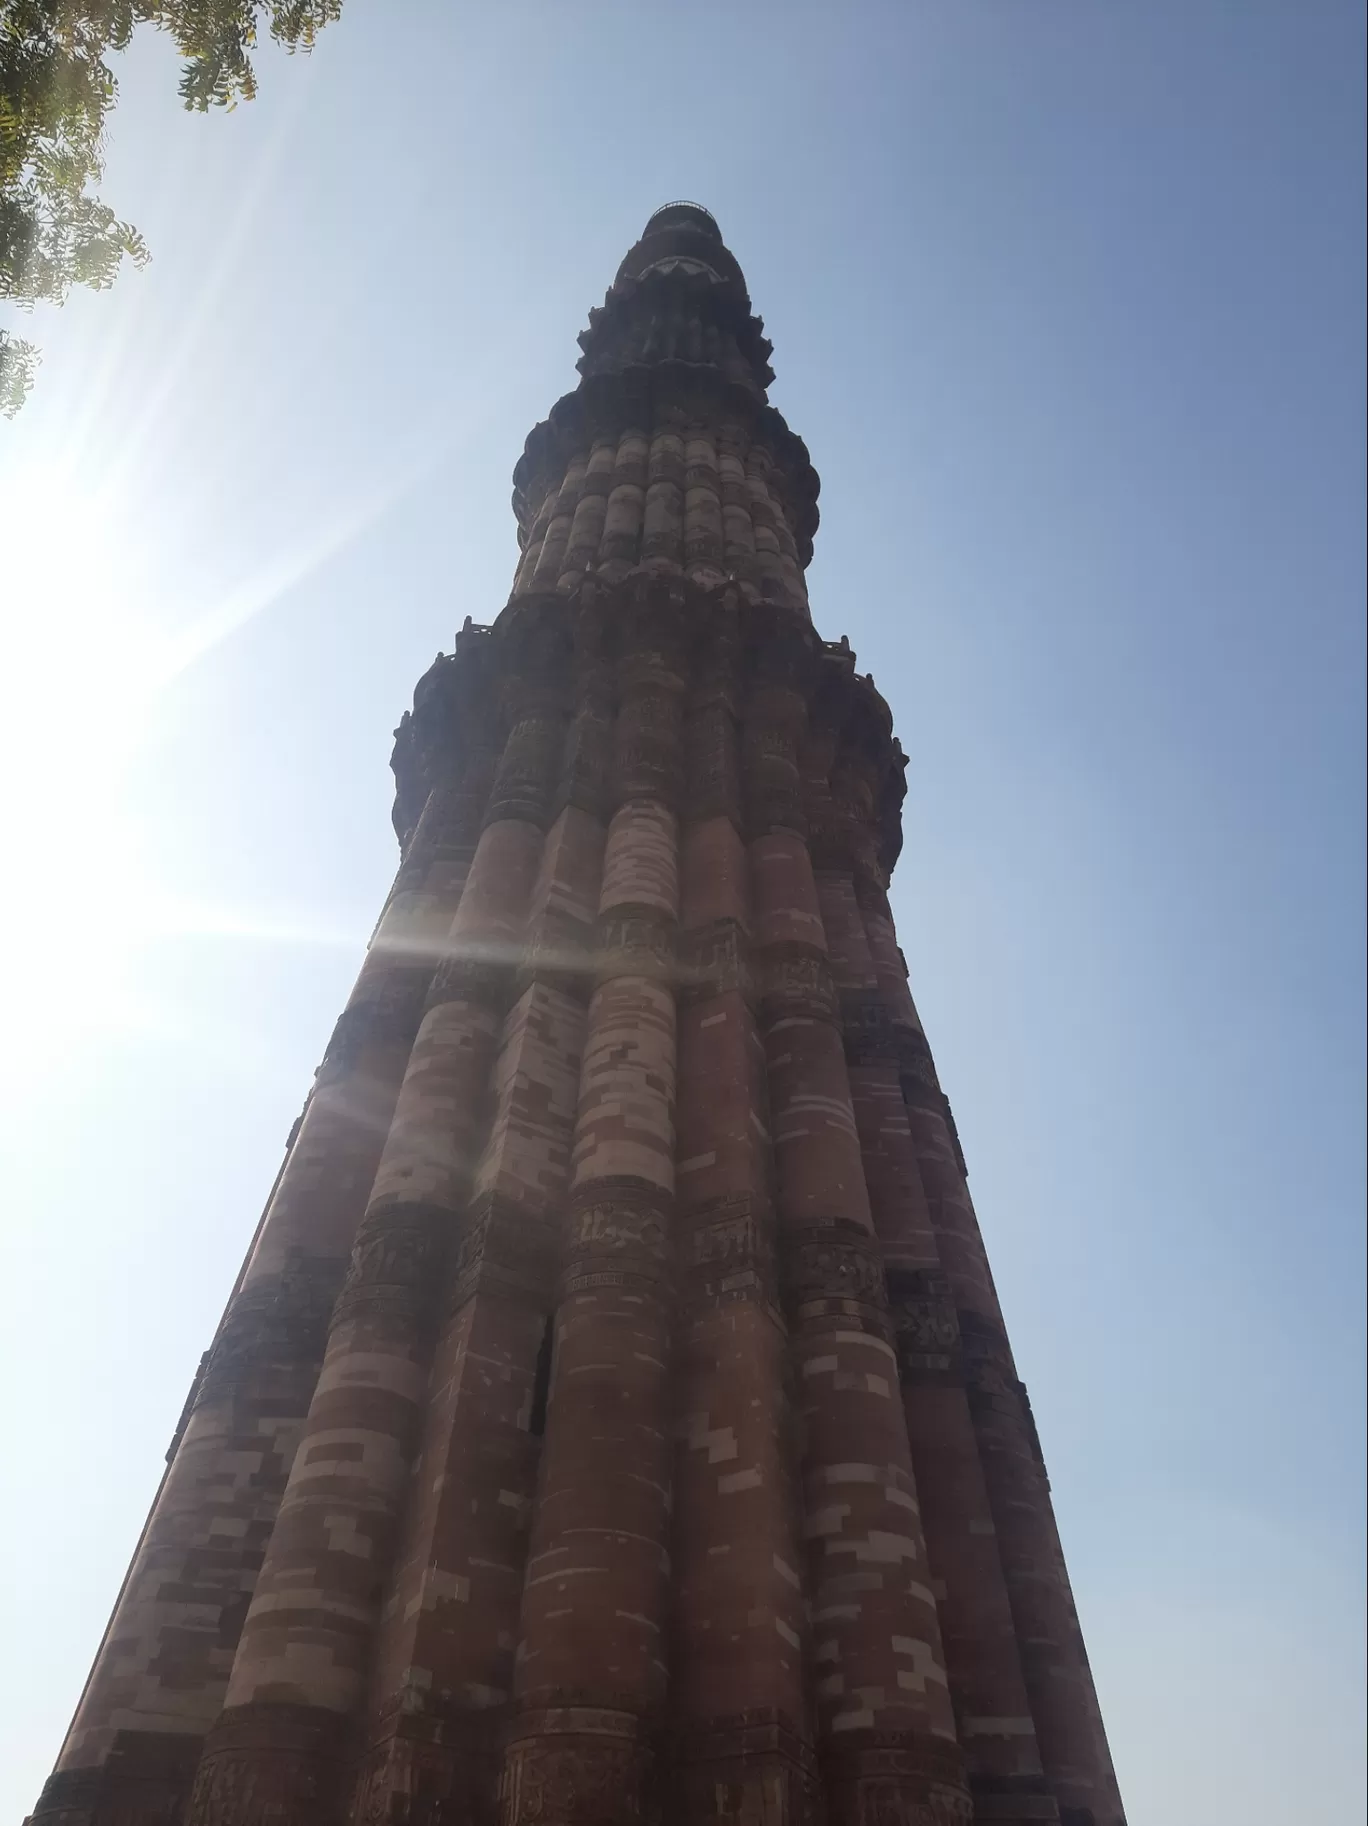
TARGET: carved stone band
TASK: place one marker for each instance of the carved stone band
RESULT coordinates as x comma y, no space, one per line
278,1321
575,1763
725,1250
561,953
388,1014
267,1762
832,1262
634,941
507,1249
796,984
714,960
395,1264
485,977
915,1781
867,1028
762,1760
619,1231
926,1331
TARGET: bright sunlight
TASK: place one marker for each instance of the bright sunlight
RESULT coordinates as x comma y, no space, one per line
81,669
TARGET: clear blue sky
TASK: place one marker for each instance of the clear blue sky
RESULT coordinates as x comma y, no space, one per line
1067,301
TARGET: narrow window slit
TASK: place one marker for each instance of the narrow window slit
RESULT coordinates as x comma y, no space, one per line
541,1381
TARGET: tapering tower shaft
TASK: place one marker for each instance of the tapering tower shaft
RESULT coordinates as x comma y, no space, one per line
615,1422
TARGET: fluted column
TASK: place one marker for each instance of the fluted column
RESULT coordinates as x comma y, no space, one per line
626,503
737,1693
1059,1686
992,1716
591,1671
586,528
662,532
444,1656
159,1680
885,1724
958,1343
557,535
275,1755
982,1653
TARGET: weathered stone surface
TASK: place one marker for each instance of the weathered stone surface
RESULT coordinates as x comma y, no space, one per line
614,1423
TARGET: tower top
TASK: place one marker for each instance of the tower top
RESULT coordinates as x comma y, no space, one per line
682,213
682,237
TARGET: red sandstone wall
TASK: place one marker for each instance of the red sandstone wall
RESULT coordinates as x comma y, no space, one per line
614,1422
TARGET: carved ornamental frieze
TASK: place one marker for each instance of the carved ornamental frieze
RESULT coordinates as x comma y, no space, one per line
618,1234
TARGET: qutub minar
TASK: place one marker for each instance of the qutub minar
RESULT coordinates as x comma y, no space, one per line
613,1421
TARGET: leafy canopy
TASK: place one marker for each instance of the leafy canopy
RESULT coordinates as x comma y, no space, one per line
56,89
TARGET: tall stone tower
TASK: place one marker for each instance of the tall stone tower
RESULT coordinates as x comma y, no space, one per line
613,1422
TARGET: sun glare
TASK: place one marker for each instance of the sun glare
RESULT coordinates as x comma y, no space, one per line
78,664
86,657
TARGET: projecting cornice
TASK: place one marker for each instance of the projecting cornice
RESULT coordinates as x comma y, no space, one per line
464,700
674,313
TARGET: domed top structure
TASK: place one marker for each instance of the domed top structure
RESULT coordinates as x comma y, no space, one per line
679,295
682,237
682,212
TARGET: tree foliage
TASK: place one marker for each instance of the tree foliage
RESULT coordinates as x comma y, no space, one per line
56,91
